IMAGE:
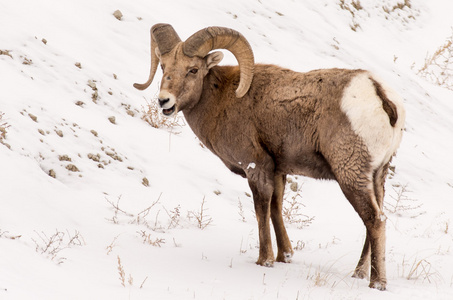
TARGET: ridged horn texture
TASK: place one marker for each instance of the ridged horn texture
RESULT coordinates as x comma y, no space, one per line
165,38
210,38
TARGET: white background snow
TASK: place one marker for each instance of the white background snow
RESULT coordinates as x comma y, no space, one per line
47,103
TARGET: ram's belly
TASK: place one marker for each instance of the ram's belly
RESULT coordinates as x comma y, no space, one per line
305,163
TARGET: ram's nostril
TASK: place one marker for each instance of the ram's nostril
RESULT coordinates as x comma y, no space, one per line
163,101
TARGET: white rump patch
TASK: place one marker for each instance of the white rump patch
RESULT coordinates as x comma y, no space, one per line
364,110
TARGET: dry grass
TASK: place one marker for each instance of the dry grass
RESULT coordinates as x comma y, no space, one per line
352,7
121,272
118,211
123,216
326,276
401,11
52,245
419,270
300,245
3,128
401,204
203,220
149,218
438,67
7,235
147,239
175,216
153,116
241,211
110,247
122,275
292,206
6,52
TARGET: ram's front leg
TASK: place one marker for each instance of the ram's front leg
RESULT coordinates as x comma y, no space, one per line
262,189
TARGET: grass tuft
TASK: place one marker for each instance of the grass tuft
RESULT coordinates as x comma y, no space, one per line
438,67
292,206
203,220
3,129
121,272
420,270
153,116
52,245
400,204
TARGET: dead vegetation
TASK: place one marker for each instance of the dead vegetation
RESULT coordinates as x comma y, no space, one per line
241,211
150,218
121,272
153,116
52,245
122,275
352,7
7,235
174,216
203,220
122,216
401,11
438,67
419,270
6,52
3,128
292,206
148,240
326,276
401,204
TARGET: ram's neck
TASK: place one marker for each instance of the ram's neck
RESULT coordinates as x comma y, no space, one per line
218,92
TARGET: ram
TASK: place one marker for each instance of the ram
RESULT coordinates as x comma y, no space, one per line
265,122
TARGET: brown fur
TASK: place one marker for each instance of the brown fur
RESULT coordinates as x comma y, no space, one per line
291,120
291,123
287,123
387,105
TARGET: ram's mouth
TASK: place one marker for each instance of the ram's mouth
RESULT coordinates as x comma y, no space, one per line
169,111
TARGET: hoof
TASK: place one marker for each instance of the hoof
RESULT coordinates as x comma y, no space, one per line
360,274
381,286
269,263
285,257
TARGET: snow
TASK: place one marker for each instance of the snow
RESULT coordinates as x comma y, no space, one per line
189,230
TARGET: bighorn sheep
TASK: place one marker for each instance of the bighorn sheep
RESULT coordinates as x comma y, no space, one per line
265,122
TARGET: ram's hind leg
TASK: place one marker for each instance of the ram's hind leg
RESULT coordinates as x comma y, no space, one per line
378,270
374,248
360,190
285,251
363,267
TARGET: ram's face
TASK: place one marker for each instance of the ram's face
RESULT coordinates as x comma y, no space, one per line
185,64
182,80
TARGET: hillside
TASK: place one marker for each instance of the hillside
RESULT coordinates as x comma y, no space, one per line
98,204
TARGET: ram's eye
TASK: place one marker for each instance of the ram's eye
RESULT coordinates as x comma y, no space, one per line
193,71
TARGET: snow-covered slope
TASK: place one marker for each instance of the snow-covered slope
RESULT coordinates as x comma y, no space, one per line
89,190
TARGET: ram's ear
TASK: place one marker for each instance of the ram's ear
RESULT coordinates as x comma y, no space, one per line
213,59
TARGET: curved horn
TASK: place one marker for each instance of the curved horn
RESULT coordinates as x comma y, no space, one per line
210,38
165,38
